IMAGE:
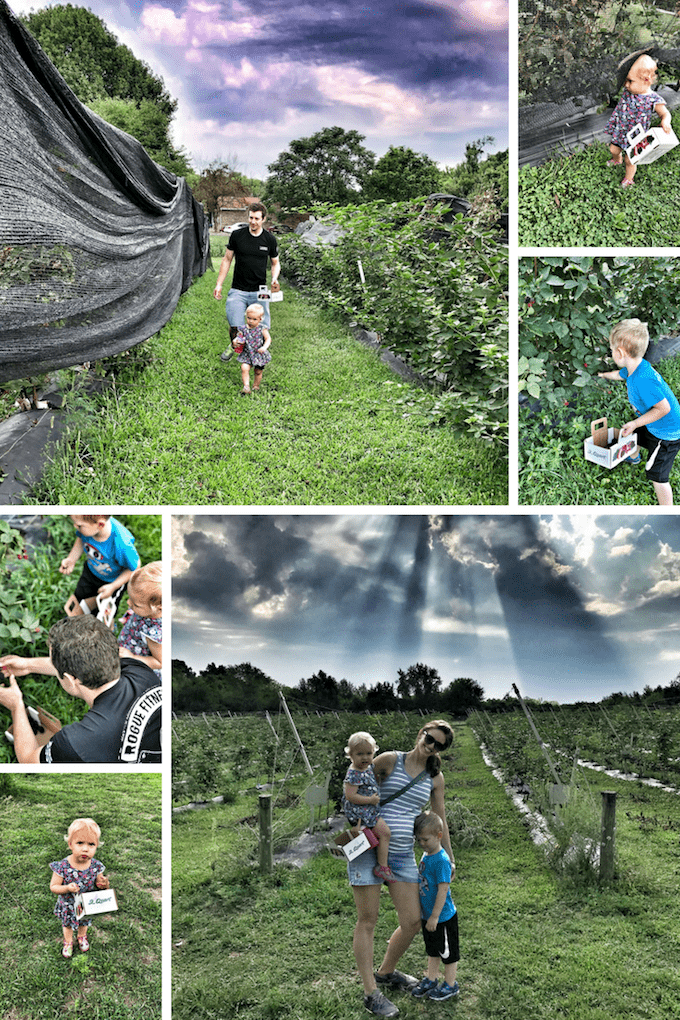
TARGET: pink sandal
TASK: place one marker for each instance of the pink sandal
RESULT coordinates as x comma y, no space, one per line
615,162
67,950
625,183
83,943
385,872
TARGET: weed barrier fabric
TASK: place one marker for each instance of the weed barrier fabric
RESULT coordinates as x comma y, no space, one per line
549,129
97,241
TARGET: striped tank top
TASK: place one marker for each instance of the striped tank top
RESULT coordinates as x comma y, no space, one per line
401,813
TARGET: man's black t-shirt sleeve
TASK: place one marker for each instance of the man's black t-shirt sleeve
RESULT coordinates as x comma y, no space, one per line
59,749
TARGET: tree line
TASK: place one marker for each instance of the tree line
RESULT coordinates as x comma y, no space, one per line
330,166
246,688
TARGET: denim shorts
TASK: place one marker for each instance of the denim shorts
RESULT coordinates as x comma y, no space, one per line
238,301
360,870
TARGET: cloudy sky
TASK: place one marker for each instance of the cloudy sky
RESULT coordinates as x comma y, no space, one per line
252,75
567,606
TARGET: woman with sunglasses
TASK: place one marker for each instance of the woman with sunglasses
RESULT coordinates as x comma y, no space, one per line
408,780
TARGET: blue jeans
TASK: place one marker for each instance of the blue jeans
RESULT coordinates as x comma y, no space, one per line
238,301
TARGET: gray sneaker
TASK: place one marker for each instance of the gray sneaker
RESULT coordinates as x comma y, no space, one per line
227,355
378,1005
397,980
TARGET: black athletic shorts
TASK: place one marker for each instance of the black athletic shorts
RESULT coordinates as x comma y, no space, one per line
444,941
89,584
662,453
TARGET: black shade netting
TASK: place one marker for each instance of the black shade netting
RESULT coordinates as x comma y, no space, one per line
97,241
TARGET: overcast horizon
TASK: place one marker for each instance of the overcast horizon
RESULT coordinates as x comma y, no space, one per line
250,76
568,607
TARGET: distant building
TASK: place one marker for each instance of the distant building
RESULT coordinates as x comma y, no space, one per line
232,209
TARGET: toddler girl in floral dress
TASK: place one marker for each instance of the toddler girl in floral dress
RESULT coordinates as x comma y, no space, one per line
142,634
251,345
637,104
79,872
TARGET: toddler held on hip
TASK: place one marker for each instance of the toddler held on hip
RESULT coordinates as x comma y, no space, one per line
637,104
361,798
79,872
251,344
142,634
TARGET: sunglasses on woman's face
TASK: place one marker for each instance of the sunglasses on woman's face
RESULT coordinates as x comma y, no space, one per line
429,739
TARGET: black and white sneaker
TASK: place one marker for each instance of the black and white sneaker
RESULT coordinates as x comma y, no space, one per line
378,1005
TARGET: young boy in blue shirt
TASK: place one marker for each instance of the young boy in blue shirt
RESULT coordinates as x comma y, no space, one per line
657,408
439,916
110,553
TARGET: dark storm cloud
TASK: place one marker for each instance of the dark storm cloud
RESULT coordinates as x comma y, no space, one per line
415,44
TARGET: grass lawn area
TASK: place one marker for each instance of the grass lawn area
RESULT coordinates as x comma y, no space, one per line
533,946
576,200
331,425
552,468
120,977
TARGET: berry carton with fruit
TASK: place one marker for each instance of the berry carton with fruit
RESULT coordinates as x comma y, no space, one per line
604,447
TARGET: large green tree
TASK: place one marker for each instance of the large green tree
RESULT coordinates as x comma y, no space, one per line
329,166
108,77
402,174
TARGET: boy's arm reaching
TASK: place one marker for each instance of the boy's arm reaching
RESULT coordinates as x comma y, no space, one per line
112,586
69,562
614,375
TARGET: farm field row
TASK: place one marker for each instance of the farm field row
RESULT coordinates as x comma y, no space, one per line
631,739
534,944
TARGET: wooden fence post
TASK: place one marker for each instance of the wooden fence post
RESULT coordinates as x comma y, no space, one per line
266,851
607,838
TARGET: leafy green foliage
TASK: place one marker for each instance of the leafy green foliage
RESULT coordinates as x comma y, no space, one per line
435,293
92,61
216,180
23,264
329,166
577,201
476,176
402,174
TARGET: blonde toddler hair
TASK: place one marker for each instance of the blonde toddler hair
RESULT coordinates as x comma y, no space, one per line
360,737
83,825
631,335
148,581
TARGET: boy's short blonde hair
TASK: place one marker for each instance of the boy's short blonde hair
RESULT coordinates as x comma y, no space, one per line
631,335
360,737
256,307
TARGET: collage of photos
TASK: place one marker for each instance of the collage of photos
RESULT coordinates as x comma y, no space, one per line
348,332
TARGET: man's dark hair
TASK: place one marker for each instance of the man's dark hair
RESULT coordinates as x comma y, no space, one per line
86,649
258,207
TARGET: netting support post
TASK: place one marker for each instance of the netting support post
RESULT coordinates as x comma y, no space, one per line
266,848
607,838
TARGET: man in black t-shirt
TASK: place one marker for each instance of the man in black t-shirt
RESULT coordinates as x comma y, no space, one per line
123,723
253,247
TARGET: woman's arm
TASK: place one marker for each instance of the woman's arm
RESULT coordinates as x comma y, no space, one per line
384,764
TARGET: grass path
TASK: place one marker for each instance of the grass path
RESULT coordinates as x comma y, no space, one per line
120,977
331,426
533,947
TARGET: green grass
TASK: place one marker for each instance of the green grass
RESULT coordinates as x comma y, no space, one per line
577,200
533,946
552,468
331,426
120,978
